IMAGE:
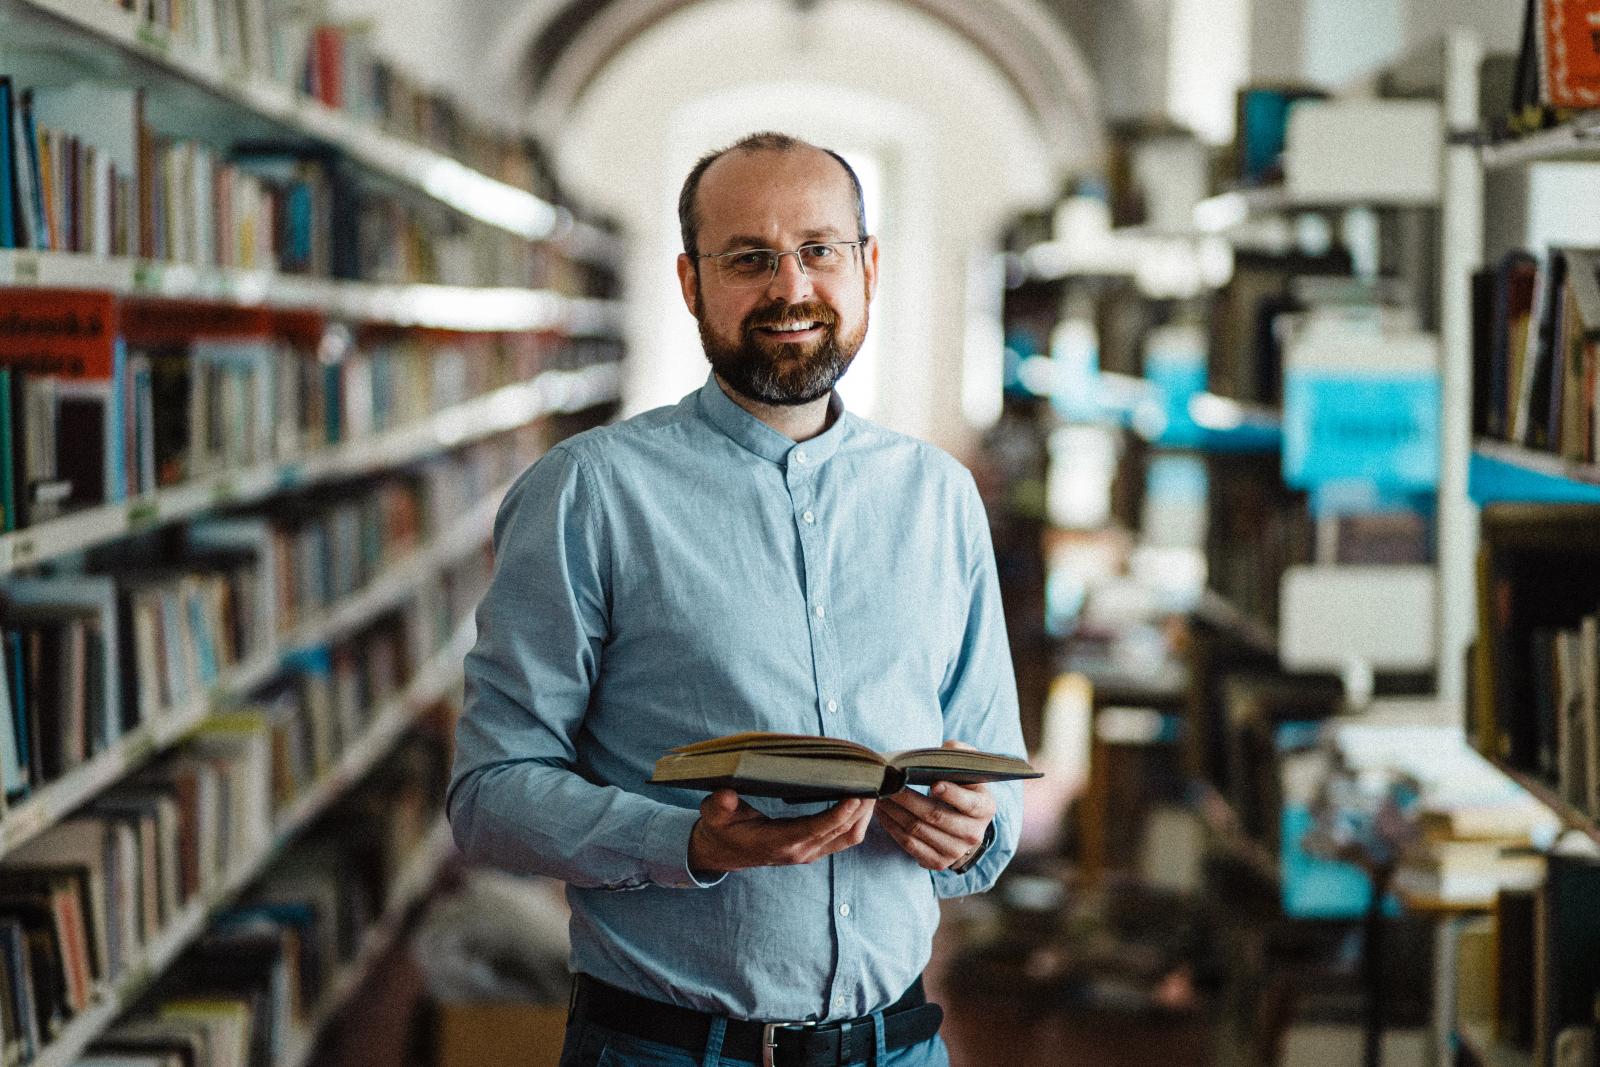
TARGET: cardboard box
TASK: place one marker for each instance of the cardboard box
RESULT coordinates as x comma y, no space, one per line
513,1034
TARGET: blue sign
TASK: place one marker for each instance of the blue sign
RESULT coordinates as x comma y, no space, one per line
1350,427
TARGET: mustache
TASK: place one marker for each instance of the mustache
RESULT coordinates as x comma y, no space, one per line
813,311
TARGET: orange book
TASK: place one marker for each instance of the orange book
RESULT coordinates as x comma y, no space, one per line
1569,53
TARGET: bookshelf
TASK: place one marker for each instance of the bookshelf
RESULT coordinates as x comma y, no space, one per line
552,392
411,887
93,28
464,224
1571,817
1502,472
442,307
1573,142
54,801
433,681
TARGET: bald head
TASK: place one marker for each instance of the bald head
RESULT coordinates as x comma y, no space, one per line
717,173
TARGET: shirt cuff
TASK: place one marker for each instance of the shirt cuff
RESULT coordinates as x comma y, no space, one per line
666,849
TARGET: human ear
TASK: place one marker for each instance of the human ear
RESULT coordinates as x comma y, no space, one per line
869,264
688,281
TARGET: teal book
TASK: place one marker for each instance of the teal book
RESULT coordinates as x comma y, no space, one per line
8,456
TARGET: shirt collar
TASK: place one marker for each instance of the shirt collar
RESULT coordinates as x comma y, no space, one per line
756,436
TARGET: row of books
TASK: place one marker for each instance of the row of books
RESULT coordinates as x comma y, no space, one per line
336,65
1530,973
160,625
252,990
82,170
1536,669
81,906
1536,351
103,399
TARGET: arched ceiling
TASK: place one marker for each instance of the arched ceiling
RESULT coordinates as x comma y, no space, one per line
564,47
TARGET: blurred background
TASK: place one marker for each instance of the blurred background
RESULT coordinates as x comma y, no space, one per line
1269,328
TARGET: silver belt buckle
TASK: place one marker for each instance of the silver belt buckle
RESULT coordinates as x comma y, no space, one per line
769,1038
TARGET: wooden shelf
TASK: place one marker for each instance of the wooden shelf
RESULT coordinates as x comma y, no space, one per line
422,170
1573,142
430,683
445,307
504,409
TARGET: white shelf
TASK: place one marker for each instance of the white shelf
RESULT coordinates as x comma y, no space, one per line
446,180
56,800
412,885
445,307
1573,142
59,798
430,683
504,409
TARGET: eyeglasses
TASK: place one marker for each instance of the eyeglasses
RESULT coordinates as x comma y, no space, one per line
747,268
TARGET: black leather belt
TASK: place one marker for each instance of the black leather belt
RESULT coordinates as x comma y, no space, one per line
907,1021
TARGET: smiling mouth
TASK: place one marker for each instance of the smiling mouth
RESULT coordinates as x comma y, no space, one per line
789,329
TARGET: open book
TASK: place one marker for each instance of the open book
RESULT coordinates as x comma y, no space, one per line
797,767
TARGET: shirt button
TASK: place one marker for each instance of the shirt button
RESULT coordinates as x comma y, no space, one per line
833,705
800,455
844,909
818,612
809,517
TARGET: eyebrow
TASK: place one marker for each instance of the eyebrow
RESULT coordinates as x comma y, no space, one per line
745,240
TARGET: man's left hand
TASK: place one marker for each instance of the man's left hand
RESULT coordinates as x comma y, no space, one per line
943,828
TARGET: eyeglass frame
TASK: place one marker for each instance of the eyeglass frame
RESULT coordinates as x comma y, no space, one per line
777,257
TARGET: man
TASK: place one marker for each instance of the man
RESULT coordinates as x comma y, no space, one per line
752,558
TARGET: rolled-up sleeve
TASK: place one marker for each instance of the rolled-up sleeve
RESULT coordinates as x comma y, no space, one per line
516,799
979,698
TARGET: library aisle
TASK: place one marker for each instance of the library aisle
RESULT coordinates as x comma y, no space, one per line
1266,332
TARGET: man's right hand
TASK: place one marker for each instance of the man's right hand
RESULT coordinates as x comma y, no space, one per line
732,835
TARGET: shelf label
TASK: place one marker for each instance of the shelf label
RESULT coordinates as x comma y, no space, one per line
142,513
23,549
225,489
147,277
138,749
153,38
25,270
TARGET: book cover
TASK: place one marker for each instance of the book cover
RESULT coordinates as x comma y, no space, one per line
1569,53
8,177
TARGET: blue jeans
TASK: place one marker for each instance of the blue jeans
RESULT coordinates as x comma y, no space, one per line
588,1045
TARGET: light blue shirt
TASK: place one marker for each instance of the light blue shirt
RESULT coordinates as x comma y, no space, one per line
689,573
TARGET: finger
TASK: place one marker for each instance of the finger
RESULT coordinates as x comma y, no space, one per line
943,842
920,851
958,744
721,803
938,813
971,800
824,824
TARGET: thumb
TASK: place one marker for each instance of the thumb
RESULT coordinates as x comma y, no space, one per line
958,744
721,803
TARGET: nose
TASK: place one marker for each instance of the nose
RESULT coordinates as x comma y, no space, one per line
790,281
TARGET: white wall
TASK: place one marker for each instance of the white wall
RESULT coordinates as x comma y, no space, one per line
959,157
